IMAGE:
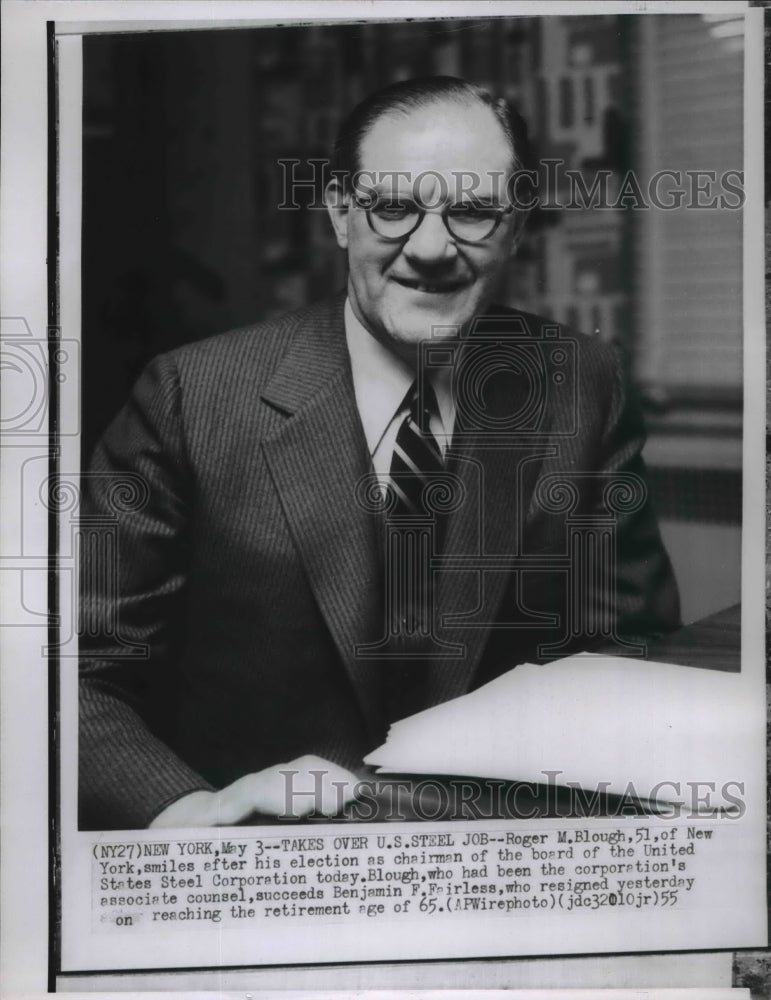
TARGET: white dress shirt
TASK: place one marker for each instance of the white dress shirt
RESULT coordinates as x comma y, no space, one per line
381,381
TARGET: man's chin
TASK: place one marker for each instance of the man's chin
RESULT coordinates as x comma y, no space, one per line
434,325
406,343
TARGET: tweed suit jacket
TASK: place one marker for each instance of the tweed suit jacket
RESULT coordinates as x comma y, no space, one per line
224,611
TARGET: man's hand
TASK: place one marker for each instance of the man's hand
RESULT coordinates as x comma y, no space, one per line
308,784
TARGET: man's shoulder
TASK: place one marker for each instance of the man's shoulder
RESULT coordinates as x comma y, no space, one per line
544,335
258,347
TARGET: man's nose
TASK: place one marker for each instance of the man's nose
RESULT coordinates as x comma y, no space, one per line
431,242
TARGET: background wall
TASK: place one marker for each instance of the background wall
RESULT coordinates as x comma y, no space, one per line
182,238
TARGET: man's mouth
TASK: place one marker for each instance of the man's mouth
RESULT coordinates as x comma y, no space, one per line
431,287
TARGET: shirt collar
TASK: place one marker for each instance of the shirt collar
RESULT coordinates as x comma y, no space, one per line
381,380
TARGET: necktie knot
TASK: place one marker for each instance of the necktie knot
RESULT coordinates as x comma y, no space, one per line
422,404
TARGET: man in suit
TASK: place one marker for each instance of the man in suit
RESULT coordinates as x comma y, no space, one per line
269,607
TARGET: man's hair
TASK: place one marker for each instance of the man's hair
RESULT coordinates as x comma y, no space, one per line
417,94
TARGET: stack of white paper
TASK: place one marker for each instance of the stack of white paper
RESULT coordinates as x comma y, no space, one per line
628,727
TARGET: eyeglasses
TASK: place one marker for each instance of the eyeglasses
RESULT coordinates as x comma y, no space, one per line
396,219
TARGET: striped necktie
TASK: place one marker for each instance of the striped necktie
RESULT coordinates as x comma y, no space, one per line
417,458
416,462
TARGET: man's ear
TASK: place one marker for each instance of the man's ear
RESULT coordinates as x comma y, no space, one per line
336,201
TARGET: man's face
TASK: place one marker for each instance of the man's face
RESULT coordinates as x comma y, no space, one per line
401,290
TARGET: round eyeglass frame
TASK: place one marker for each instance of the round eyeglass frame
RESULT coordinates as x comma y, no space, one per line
421,214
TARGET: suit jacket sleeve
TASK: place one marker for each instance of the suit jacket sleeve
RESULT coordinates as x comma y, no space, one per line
646,602
134,511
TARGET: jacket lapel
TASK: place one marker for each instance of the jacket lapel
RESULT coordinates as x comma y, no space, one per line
316,458
498,472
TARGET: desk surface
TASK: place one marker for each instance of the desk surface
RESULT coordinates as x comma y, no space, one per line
714,642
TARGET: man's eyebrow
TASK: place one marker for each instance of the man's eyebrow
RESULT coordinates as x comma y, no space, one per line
386,191
483,200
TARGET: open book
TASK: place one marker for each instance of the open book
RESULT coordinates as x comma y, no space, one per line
653,731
